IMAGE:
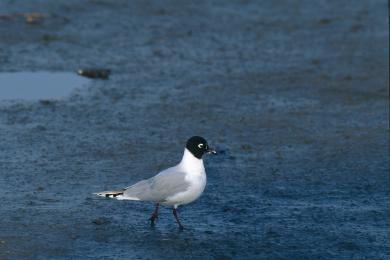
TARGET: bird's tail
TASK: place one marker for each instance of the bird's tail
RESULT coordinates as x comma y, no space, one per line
111,193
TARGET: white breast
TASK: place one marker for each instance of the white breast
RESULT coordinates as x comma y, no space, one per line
195,175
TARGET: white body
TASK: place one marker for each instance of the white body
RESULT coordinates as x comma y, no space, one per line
174,186
195,176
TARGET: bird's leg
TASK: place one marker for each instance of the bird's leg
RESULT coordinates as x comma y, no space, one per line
177,219
154,214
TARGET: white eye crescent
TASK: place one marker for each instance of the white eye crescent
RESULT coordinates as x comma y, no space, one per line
200,145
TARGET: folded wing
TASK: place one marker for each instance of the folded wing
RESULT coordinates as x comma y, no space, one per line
156,189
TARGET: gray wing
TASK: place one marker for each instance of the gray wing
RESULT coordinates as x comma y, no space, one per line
167,183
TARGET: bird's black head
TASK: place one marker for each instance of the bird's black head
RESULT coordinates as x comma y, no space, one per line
198,146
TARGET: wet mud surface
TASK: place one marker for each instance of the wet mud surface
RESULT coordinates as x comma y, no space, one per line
294,94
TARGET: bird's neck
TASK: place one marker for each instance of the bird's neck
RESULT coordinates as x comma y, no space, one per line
190,162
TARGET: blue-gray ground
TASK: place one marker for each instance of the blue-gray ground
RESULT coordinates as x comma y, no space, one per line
295,94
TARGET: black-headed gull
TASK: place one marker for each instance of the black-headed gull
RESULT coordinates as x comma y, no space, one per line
174,186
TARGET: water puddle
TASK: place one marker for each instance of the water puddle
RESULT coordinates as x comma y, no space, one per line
38,85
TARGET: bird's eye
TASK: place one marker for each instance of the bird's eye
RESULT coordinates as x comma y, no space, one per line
200,145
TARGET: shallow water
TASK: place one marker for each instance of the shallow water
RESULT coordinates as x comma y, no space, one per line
38,85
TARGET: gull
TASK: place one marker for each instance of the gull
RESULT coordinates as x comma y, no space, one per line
175,186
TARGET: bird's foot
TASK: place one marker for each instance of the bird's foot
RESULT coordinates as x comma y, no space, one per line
153,219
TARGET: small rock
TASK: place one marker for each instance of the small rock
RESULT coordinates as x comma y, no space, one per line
94,73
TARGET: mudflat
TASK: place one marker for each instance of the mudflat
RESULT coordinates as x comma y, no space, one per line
293,94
